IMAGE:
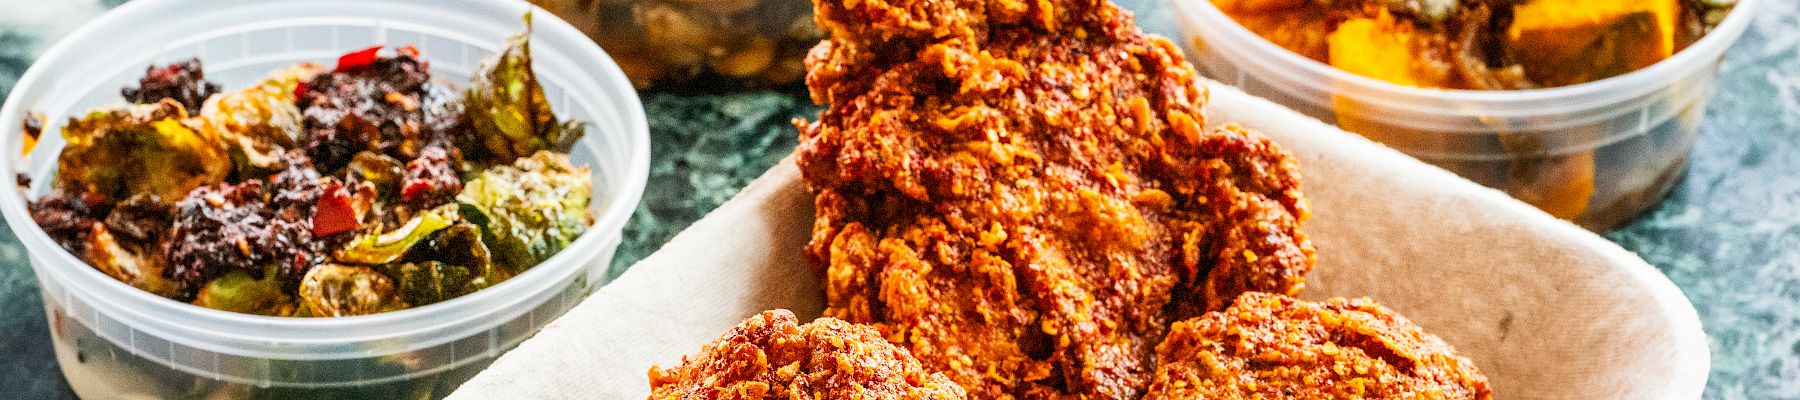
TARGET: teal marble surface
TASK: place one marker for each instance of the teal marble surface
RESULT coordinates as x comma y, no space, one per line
1729,234
703,149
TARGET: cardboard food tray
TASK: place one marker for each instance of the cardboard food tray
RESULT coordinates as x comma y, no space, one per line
1547,310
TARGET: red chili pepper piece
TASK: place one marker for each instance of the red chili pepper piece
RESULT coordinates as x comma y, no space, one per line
334,213
415,188
358,59
300,93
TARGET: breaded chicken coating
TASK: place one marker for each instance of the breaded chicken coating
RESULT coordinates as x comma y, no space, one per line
1026,194
773,356
1276,347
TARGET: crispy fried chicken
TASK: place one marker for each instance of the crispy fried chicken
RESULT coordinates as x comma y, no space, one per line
1273,346
1026,194
773,356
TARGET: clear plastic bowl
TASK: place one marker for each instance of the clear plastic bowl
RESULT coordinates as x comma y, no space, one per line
1596,153
114,341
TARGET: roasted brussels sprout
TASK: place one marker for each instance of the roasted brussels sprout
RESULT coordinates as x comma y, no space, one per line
260,121
333,290
129,244
460,244
144,149
237,291
531,209
429,282
136,266
508,112
378,169
376,248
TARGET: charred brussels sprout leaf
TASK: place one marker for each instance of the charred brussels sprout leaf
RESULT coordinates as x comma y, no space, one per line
128,244
531,209
139,268
376,248
237,291
332,290
143,149
508,110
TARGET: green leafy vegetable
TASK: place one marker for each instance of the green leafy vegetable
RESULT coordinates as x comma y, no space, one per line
376,248
144,149
508,110
531,209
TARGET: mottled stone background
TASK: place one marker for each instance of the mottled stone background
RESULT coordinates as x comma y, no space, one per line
1729,235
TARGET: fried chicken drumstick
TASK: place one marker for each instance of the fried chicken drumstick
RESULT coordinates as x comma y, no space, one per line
1277,347
1027,194
773,356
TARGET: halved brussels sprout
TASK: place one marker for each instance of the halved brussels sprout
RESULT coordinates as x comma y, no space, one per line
429,282
531,209
144,149
377,248
260,121
142,270
237,291
333,290
379,169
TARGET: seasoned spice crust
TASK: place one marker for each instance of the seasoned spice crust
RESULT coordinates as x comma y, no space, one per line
773,356
1026,194
1277,347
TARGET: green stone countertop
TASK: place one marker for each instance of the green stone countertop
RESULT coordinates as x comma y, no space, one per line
1729,234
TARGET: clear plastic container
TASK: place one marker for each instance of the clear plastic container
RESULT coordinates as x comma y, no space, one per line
116,342
1595,153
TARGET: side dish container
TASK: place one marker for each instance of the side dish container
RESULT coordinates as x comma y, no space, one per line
113,341
1595,153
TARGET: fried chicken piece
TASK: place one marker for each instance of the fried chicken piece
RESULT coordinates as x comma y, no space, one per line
1025,194
773,356
1274,346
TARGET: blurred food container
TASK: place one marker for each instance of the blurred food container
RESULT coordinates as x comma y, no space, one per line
1596,153
114,341
755,42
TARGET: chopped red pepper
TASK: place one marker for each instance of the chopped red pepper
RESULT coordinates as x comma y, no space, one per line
415,188
300,93
358,59
408,50
334,213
